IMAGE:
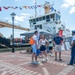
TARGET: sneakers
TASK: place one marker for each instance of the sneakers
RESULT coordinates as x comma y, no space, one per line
51,55
32,62
60,59
36,63
69,64
47,59
55,59
43,60
40,56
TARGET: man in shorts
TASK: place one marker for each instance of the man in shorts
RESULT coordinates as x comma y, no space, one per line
58,42
34,48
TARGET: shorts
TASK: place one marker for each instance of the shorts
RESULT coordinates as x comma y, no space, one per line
57,48
42,48
50,48
34,50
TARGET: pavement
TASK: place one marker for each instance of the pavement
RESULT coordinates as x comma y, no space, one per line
19,63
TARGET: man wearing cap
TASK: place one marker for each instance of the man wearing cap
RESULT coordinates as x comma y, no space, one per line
58,42
72,61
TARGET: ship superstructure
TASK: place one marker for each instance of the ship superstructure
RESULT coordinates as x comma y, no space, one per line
47,22
50,21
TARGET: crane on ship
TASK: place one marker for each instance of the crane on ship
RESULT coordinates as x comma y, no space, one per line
5,24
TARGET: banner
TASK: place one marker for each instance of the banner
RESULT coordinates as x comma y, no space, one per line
21,7
17,7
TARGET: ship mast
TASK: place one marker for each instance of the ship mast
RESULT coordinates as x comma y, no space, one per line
35,8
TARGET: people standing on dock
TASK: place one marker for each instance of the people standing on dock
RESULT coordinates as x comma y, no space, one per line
51,45
72,60
43,42
35,48
58,42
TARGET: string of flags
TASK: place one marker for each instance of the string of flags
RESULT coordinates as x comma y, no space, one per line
18,7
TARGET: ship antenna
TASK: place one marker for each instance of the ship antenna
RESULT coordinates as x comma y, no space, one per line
35,8
53,2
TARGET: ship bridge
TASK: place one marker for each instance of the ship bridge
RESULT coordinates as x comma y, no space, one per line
49,22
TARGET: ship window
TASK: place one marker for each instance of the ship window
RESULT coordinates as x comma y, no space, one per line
57,17
52,16
35,27
40,18
37,19
38,26
47,17
33,20
47,20
30,21
43,17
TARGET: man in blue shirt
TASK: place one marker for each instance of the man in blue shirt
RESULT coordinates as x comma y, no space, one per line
58,42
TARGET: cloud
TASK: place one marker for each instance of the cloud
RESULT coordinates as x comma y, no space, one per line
25,14
22,17
19,18
8,20
72,10
69,4
65,6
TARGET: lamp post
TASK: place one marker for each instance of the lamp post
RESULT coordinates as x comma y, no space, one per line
13,15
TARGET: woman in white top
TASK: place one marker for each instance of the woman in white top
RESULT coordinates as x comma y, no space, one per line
43,42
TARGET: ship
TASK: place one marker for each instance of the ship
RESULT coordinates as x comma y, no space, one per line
48,24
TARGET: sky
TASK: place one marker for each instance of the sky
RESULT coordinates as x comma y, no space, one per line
66,8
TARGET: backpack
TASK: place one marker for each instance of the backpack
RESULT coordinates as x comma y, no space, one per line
31,41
